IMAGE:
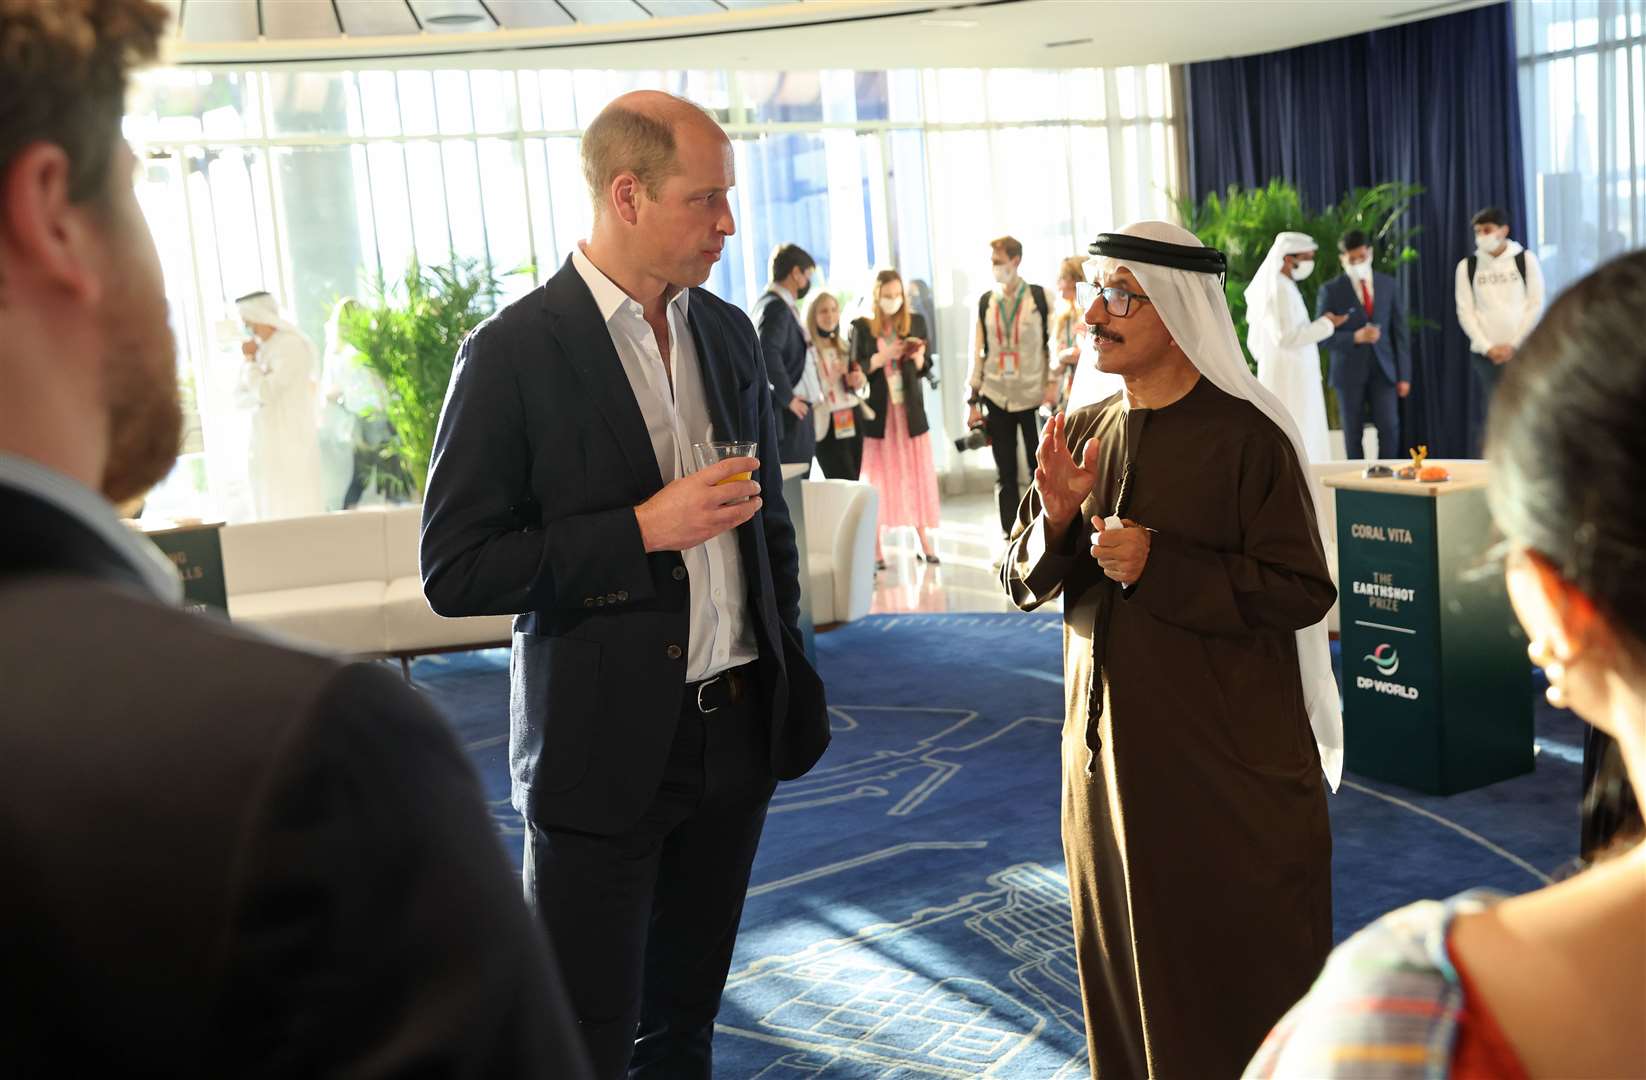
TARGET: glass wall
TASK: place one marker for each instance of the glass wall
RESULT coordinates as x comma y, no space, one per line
1583,105
309,184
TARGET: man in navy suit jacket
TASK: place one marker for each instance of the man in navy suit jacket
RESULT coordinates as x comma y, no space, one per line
1371,354
658,690
783,341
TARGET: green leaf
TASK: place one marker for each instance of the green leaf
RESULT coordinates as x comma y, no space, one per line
409,333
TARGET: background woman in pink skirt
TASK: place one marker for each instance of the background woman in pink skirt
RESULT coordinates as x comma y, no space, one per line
890,344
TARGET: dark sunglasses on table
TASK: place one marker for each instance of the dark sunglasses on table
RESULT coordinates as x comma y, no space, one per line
1117,300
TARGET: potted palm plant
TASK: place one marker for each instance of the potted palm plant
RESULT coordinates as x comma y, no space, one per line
408,334
1243,222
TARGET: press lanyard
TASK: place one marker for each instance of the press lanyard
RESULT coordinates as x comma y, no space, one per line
1002,320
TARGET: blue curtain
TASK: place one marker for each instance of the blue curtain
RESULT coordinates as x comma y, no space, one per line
1435,103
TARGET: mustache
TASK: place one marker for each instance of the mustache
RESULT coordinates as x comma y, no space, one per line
1103,333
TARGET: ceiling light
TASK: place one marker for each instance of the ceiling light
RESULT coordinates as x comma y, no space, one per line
950,24
1066,44
456,18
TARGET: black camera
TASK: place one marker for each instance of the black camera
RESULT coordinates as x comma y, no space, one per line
976,438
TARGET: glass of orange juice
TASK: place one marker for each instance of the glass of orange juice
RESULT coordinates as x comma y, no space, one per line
708,453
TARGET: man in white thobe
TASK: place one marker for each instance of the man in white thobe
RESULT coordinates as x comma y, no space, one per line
277,384
1285,342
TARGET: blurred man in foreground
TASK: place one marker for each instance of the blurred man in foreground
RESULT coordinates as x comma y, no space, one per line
220,857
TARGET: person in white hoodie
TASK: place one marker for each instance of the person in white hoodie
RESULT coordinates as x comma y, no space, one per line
1499,300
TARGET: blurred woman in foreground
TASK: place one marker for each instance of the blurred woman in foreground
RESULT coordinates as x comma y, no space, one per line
1552,983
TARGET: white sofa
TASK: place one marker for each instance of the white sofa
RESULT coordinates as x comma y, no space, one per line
348,582
345,582
840,521
1318,471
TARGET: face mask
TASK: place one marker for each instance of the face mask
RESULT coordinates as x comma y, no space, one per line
805,287
1486,243
1361,271
830,333
1003,272
891,305
1303,269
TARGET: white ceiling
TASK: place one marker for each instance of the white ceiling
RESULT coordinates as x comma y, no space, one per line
768,34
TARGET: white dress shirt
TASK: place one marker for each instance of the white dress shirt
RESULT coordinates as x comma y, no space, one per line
677,415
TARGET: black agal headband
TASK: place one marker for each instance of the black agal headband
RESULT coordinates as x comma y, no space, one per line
1123,248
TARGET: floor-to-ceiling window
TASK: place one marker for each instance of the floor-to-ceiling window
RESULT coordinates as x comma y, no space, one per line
1583,105
310,184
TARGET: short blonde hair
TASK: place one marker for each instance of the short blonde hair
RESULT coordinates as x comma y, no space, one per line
1073,268
624,140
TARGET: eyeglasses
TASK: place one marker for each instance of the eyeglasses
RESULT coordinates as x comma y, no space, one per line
1117,300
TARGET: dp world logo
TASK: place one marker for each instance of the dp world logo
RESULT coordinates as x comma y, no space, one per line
1385,658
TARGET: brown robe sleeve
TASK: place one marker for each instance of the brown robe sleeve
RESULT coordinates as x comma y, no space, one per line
1036,567
1277,581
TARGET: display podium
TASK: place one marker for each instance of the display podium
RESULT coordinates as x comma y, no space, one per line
196,549
1437,687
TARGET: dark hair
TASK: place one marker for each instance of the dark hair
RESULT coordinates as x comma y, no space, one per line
1568,455
63,67
1567,445
788,258
1354,238
1492,215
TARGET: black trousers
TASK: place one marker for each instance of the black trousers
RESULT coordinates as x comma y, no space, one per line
842,459
1352,396
1003,428
644,922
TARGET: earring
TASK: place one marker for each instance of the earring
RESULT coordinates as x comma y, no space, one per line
1554,669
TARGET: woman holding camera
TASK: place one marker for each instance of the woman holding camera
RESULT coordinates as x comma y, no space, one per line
889,345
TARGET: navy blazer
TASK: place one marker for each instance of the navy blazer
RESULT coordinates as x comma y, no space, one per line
541,457
783,344
1391,353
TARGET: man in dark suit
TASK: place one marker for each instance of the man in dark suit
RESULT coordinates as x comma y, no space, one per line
783,343
221,857
1371,357
659,690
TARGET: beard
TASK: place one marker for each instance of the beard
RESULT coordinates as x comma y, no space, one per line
144,409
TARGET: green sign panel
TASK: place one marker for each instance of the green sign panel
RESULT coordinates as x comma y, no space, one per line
197,553
1436,683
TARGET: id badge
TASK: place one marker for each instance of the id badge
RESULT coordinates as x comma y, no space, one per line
845,423
1008,364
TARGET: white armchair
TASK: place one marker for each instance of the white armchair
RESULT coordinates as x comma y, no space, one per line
840,523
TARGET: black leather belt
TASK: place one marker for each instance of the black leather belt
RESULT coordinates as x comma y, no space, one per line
727,688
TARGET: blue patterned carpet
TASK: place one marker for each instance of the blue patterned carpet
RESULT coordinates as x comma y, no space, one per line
909,914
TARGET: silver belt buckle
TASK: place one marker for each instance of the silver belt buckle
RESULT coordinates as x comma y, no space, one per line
702,686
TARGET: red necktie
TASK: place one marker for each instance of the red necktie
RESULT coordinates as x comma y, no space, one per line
1366,296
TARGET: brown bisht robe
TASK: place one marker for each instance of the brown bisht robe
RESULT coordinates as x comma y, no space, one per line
1194,809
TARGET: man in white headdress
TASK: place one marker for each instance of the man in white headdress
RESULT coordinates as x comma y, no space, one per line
1284,341
277,384
1176,520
